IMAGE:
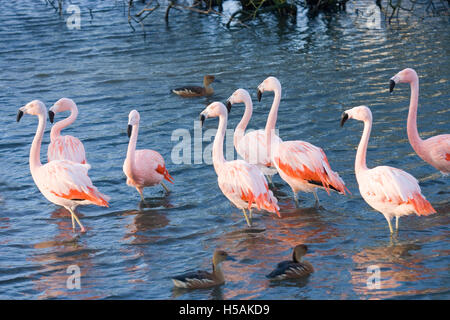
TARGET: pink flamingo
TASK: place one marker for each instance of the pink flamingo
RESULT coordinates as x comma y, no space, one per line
63,182
64,147
143,168
391,191
252,145
434,150
302,165
242,183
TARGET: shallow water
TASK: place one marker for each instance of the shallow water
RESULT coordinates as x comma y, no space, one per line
325,65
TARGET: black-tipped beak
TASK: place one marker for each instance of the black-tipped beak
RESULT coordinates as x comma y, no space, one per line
19,115
202,119
344,118
391,85
129,129
51,116
229,106
259,95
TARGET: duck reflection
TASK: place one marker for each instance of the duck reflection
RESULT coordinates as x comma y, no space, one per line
215,293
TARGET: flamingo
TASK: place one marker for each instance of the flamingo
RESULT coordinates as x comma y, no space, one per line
302,165
64,147
143,168
241,182
63,182
391,191
251,146
434,150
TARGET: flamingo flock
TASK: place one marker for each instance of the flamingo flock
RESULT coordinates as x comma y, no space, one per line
64,180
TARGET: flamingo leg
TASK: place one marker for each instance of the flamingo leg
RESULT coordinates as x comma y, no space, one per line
73,221
165,187
78,220
246,218
296,199
269,178
396,222
317,199
390,225
250,215
141,194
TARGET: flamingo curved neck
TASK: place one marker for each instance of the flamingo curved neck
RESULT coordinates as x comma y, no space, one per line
272,119
413,134
218,158
35,151
132,150
240,128
360,161
57,127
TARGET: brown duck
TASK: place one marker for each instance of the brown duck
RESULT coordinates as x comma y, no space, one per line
204,279
196,91
295,268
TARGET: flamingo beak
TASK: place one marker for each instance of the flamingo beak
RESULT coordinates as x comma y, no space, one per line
391,85
259,95
229,104
344,118
129,129
19,115
202,119
51,116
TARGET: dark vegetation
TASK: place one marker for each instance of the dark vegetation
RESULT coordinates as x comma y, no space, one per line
139,10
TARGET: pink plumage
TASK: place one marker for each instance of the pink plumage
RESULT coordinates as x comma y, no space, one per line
63,182
251,146
242,183
435,150
391,191
302,165
143,168
65,147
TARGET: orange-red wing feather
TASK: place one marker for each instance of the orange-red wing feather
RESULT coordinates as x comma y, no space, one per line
162,170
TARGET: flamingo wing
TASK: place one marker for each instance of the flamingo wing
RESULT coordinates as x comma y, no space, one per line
392,185
304,161
253,148
66,148
70,180
439,148
241,181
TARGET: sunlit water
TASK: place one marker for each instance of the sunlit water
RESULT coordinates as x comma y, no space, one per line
325,65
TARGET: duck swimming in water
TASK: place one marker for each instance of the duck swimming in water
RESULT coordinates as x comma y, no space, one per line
204,279
295,268
196,91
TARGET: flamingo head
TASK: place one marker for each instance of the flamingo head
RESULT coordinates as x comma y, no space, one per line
270,84
239,96
361,113
407,75
35,108
133,119
213,110
63,104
